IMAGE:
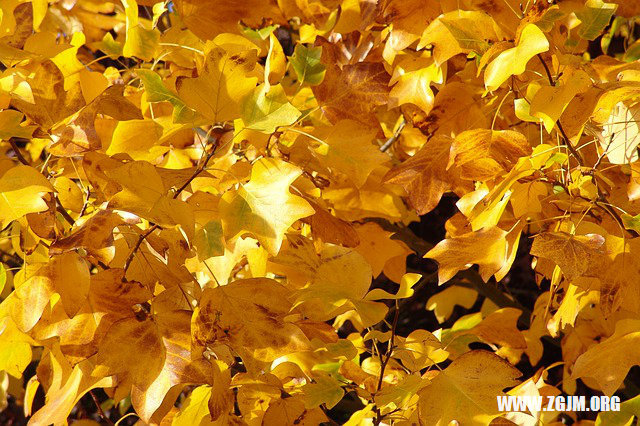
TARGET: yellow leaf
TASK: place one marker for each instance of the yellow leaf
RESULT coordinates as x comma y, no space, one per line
424,176
349,148
249,316
275,65
217,93
500,328
609,361
442,304
268,109
412,79
574,254
149,357
136,138
10,125
61,400
460,31
466,390
15,348
141,42
207,21
69,194
405,290
264,207
21,192
290,412
353,91
402,393
483,153
549,102
420,349
487,248
52,103
195,409
621,134
324,390
514,61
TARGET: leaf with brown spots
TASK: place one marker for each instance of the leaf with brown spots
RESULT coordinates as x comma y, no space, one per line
52,102
353,92
95,235
574,254
149,357
248,316
208,18
81,135
424,176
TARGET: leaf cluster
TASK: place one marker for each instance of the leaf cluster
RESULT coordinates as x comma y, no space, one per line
205,209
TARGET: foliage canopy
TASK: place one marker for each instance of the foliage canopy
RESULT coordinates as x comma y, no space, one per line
205,209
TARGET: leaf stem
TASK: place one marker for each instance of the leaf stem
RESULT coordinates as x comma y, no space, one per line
99,407
387,358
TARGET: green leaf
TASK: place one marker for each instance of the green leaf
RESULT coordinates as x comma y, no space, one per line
267,109
633,52
10,125
306,63
157,92
209,240
628,410
611,32
631,222
595,16
324,390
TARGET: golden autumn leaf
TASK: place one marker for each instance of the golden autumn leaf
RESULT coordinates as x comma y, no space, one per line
574,254
483,153
164,342
460,31
248,316
348,149
424,176
514,61
224,81
609,362
65,397
486,248
465,392
21,192
353,91
264,207
52,103
207,21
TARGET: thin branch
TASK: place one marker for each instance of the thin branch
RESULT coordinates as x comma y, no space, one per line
387,358
393,137
99,407
132,254
601,196
19,155
567,141
71,221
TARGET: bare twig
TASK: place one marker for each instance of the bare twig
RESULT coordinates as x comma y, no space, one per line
387,358
567,141
99,407
19,155
602,199
63,212
393,137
